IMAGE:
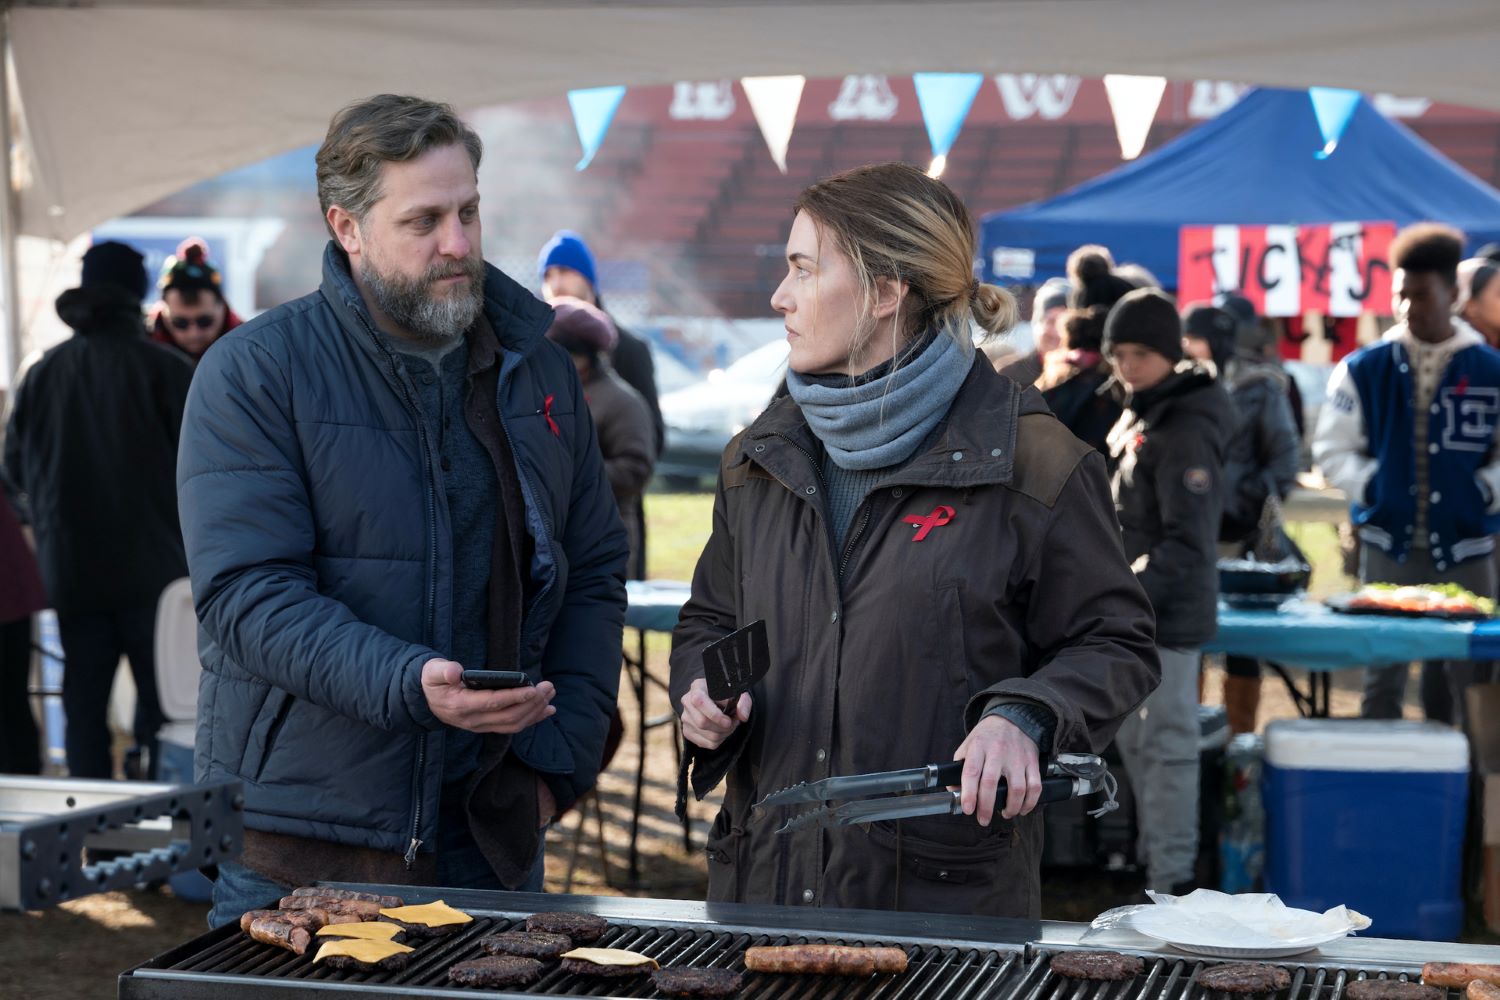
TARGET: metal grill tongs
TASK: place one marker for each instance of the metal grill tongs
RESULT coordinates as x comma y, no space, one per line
892,795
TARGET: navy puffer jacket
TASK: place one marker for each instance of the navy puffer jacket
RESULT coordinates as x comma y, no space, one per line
319,546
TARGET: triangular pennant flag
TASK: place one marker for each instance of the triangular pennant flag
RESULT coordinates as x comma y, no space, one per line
593,111
773,101
1133,101
945,99
1334,108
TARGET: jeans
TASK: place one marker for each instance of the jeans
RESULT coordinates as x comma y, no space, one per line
1159,745
460,864
92,646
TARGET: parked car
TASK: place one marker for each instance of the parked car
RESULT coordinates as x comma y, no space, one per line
703,417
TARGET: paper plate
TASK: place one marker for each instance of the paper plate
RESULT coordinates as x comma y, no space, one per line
1218,951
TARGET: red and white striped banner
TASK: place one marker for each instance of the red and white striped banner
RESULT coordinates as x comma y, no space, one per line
1337,269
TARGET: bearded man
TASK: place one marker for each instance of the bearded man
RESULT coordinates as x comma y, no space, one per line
382,484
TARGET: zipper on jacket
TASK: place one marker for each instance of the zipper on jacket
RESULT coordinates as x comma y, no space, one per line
527,494
416,822
431,598
864,522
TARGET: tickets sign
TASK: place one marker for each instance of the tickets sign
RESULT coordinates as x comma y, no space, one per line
1337,268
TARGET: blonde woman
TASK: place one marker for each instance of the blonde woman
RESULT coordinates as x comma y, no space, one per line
937,561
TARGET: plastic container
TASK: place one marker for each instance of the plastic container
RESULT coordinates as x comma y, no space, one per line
1242,836
1369,813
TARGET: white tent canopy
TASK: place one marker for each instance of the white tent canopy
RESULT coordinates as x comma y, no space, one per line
125,101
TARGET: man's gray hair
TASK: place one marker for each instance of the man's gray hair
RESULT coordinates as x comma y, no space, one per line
387,128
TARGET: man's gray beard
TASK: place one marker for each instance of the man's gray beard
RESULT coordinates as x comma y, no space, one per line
411,305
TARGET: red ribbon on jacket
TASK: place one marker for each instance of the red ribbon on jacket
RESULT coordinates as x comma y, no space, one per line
940,516
547,412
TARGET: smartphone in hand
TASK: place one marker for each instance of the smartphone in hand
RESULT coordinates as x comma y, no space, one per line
495,680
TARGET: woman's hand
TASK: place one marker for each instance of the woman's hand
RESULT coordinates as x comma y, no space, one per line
996,749
704,723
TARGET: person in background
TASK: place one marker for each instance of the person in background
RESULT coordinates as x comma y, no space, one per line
91,446
1479,297
1261,462
1256,343
1087,401
1408,432
192,313
1168,453
566,267
621,417
22,595
1047,308
1137,275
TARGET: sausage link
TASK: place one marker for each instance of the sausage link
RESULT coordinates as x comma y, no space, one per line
281,933
825,959
363,909
389,902
1481,990
311,919
1457,975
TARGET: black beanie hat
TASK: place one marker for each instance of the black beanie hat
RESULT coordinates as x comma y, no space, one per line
1146,316
116,264
1216,326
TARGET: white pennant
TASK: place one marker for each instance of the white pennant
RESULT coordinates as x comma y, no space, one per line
1134,100
774,101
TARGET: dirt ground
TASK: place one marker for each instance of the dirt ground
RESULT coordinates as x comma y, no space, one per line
76,950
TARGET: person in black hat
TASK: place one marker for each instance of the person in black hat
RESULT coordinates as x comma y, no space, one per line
192,313
91,447
1168,455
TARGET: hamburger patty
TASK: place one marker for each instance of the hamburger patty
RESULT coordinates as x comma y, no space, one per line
1244,977
348,963
496,971
1103,966
1391,989
703,983
420,932
583,967
581,928
530,944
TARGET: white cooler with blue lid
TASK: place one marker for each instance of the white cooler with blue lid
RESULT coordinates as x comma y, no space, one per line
1369,813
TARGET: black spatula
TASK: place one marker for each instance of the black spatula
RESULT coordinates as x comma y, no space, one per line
733,664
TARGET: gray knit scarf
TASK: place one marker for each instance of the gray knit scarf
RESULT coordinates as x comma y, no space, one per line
873,423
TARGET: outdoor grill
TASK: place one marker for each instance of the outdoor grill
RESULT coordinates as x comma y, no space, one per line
951,957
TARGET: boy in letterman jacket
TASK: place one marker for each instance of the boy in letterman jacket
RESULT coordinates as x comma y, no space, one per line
1408,433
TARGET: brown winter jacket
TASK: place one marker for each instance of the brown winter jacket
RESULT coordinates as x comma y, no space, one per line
1024,594
627,442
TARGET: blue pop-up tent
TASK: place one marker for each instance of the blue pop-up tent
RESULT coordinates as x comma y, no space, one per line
1255,164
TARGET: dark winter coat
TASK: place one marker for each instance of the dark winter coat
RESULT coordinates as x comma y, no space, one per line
1168,451
885,654
317,532
627,442
91,447
1084,409
1263,450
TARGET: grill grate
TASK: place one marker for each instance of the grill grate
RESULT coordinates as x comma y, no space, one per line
1173,979
934,971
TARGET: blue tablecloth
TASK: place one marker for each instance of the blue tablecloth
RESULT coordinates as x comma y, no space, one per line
654,604
1306,634
1302,633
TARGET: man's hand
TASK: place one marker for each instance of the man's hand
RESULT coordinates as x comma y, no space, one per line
704,723
507,711
546,804
996,749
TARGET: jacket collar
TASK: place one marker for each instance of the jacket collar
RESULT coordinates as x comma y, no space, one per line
974,445
518,319
1464,336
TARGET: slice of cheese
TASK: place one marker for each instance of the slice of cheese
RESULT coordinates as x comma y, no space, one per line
438,914
364,951
610,956
369,930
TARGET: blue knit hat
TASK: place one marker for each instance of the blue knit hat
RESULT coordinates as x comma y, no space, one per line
567,249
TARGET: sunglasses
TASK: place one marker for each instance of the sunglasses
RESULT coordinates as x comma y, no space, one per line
204,322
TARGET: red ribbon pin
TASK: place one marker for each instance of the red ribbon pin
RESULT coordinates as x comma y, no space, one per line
940,516
547,412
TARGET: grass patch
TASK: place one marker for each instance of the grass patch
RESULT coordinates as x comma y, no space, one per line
677,529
